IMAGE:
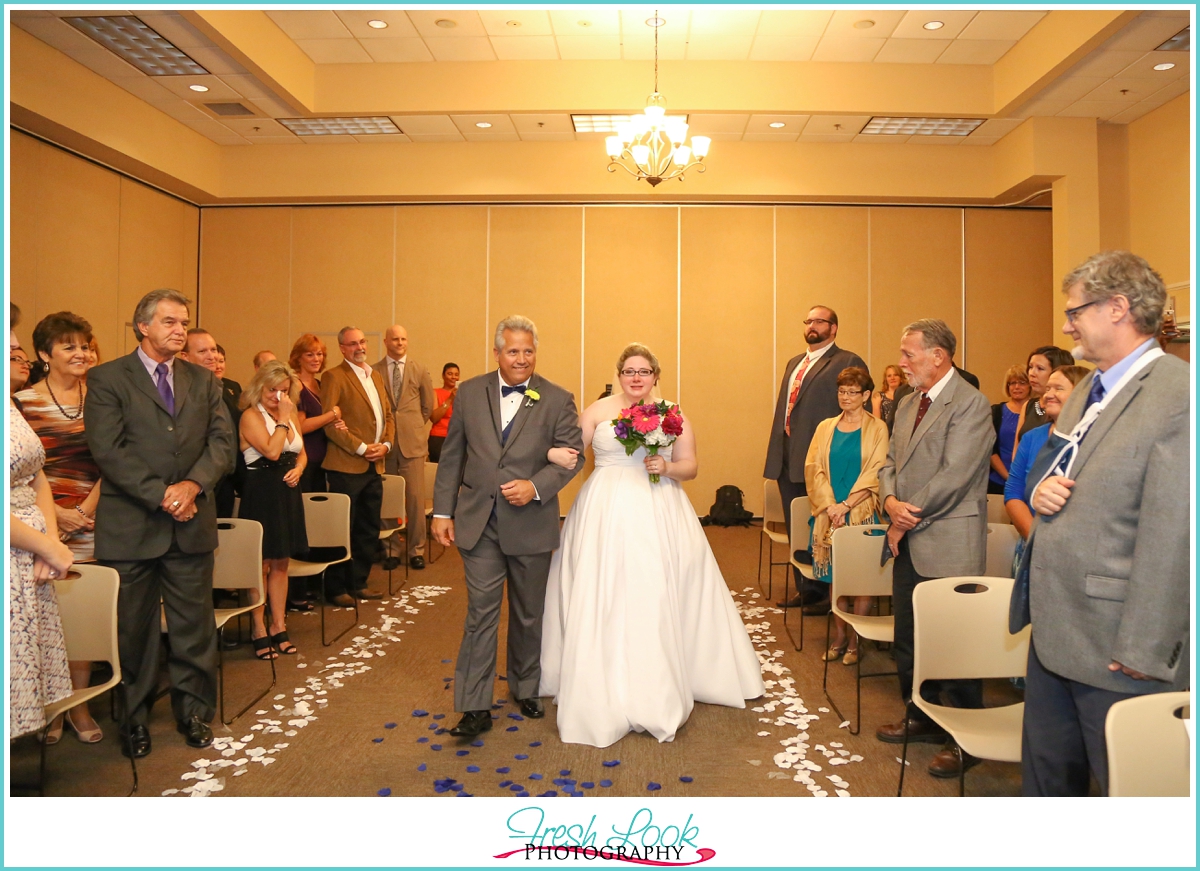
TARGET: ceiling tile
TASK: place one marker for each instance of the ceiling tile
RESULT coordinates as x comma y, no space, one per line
329,139
436,137
1071,88
843,21
716,46
274,107
599,46
394,51
793,22
639,44
482,136
874,139
547,137
148,89
276,140
827,124
824,137
1171,91
793,124
257,128
722,137
847,49
398,25
912,25
183,111
707,125
334,51
549,124
933,140
529,22
426,125
180,86
975,51
304,24
1041,108
634,18
217,132
911,51
597,20
1105,63
525,47
724,20
102,61
174,28
216,61
592,137
1143,67
1145,33
72,13
781,136
1132,113
462,49
1093,109
247,86
466,124
55,33
1007,26
466,23
31,13
996,128
784,48
1135,89
381,138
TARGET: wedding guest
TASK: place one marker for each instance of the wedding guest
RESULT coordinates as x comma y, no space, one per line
443,410
842,476
273,447
307,360
54,409
220,363
262,357
895,388
18,373
202,349
1006,417
1041,363
93,353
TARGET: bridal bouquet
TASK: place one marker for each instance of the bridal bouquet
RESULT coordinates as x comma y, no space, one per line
651,425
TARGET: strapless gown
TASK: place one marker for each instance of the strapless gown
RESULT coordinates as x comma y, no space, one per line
639,624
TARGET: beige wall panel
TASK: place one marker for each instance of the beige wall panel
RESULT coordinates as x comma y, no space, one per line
78,242
441,285
821,259
630,296
245,256
342,273
1010,260
725,328
23,236
916,272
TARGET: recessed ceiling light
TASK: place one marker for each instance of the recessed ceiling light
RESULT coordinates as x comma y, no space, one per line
655,22
203,88
934,25
513,23
882,126
339,126
864,24
377,24
777,124
483,124
131,40
446,23
1162,67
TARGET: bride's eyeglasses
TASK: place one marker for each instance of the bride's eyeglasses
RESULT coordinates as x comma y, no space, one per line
629,373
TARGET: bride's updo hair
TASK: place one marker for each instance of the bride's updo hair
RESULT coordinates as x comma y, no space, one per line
637,349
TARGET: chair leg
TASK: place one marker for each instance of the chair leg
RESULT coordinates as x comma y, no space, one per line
760,551
903,755
962,771
221,677
787,611
123,729
324,606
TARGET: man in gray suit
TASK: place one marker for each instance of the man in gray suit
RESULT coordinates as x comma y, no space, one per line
934,490
161,435
1108,557
496,497
807,396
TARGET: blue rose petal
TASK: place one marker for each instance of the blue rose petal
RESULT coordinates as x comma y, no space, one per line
505,783
685,779
550,793
462,752
419,713
587,784
653,787
515,717
503,770
377,740
535,777
516,787
435,746
444,661
512,728
385,792
535,743
472,769
612,763
606,783
477,743
389,725
439,716
521,756
565,772
421,767
424,739
522,794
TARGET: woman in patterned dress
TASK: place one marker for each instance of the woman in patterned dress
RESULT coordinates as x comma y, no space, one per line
54,409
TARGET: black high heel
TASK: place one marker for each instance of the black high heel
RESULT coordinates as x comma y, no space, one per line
262,648
283,645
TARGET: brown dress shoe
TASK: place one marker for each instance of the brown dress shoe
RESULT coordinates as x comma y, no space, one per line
919,731
945,764
365,594
342,600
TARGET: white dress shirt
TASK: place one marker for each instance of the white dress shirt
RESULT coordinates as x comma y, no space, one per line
364,375
933,391
811,357
509,405
392,366
151,365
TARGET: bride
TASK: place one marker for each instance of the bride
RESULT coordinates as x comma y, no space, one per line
639,623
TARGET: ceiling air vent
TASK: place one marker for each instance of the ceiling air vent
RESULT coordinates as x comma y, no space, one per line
230,110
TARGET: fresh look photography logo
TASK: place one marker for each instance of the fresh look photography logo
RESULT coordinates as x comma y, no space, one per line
641,840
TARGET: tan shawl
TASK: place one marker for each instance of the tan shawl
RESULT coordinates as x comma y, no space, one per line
820,491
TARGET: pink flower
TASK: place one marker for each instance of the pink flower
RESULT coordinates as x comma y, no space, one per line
645,418
673,422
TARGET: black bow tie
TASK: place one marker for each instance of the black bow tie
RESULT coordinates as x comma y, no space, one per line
505,390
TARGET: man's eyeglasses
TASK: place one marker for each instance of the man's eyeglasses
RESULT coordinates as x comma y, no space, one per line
811,321
1072,314
645,373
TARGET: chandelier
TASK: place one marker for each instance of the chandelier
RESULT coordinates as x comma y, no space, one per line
651,146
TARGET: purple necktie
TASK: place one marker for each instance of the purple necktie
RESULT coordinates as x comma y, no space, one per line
164,388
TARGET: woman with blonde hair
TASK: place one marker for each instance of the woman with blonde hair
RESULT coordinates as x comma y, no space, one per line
895,387
1006,419
271,443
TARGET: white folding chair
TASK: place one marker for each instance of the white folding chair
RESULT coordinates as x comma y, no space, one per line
1148,749
430,480
238,565
327,522
87,607
995,509
960,632
392,509
1002,542
801,512
856,572
773,531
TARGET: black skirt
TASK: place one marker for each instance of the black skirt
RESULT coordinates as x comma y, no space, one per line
278,507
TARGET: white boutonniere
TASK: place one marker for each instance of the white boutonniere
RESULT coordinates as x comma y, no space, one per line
531,396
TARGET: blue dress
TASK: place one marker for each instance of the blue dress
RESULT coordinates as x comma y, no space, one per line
845,465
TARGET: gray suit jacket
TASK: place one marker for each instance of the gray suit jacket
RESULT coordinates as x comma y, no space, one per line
141,449
1109,573
817,401
411,409
942,468
474,463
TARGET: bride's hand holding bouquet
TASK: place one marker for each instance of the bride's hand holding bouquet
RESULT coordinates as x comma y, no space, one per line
649,425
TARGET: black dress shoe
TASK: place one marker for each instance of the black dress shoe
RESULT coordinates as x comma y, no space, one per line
945,764
417,562
919,731
195,731
136,739
796,601
472,724
390,563
364,594
532,708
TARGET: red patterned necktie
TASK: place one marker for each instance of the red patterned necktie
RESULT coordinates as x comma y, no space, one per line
921,409
795,394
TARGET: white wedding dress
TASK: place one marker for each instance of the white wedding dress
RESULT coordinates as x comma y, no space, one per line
639,623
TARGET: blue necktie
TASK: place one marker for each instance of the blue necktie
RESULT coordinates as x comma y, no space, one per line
164,388
1096,393
505,390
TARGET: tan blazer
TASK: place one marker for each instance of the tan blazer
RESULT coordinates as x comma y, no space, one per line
412,408
341,387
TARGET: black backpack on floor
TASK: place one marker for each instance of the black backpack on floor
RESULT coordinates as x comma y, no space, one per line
728,510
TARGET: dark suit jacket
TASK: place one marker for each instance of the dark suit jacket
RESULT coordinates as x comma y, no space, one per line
817,401
967,376
141,449
474,463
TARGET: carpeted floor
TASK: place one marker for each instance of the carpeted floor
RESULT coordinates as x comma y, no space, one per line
361,718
